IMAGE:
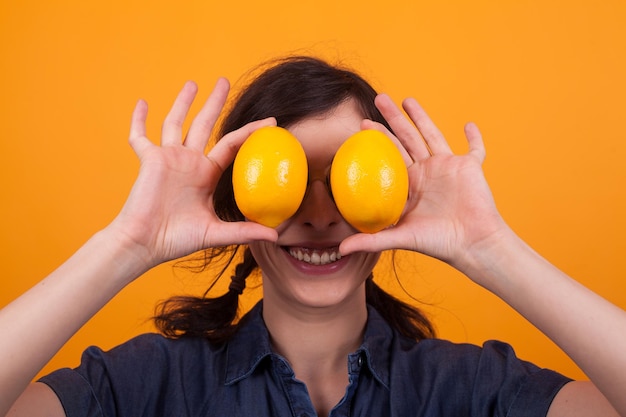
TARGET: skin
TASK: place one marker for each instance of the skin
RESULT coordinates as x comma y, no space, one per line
316,313
450,215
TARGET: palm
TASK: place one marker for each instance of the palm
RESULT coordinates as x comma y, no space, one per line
450,207
170,210
170,203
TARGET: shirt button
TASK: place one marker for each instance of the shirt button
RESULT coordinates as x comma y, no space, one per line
360,361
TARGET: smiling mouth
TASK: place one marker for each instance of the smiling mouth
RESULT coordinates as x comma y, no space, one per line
314,256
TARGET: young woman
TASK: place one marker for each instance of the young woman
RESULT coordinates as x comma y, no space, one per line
325,340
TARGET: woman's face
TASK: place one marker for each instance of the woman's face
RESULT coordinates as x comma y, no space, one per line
303,267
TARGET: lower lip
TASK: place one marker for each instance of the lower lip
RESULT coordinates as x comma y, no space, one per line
310,269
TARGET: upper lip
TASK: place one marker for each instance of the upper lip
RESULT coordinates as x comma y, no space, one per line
312,245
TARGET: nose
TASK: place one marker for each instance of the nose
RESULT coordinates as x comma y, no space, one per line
318,210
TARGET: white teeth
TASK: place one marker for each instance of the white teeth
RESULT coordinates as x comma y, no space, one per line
315,256
325,258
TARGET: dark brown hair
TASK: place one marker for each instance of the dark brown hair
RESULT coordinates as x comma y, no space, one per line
290,89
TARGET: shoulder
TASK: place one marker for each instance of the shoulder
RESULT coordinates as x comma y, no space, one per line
145,351
442,356
444,350
130,374
158,344
479,378
150,344
145,358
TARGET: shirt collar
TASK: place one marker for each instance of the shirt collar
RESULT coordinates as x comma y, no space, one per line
377,344
248,347
251,344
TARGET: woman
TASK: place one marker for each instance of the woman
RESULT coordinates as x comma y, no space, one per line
325,340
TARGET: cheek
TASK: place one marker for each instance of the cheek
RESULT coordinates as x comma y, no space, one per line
369,262
266,255
256,248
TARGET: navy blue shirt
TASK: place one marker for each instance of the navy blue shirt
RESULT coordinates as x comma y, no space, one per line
389,375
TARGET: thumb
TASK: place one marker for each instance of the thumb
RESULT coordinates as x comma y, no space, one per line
365,242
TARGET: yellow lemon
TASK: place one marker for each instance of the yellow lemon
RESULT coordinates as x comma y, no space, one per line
369,181
270,176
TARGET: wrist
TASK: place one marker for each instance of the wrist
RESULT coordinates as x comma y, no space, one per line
130,258
486,262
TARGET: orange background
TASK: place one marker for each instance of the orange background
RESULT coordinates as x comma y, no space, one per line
544,81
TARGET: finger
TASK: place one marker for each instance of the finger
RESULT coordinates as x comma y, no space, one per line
172,131
435,140
404,130
475,141
244,232
202,125
376,242
137,137
370,124
224,151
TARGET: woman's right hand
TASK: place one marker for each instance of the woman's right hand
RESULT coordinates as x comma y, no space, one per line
169,212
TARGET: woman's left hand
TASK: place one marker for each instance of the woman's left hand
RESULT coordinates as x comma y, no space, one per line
450,208
450,214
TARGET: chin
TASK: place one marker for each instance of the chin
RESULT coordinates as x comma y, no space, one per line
317,292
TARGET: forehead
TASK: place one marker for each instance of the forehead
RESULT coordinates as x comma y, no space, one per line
322,135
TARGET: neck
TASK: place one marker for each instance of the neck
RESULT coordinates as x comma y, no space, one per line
317,338
317,341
